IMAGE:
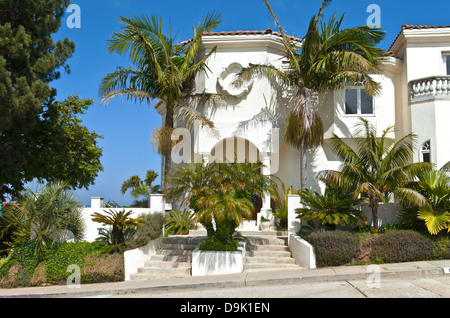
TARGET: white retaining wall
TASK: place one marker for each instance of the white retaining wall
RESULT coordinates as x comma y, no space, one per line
97,205
218,262
302,251
136,258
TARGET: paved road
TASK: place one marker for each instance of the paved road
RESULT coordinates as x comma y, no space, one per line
437,287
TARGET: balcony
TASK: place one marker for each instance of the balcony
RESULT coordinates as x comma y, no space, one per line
429,88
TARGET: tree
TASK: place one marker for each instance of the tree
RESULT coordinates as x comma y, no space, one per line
61,147
136,184
332,208
163,70
29,61
50,215
327,59
119,221
379,167
219,194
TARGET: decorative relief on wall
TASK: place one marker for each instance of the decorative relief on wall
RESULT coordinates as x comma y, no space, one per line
227,77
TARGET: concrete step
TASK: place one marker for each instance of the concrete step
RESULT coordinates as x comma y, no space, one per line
173,270
270,260
270,254
267,247
183,247
168,264
172,258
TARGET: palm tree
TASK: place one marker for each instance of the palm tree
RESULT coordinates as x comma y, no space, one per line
332,208
163,70
328,58
52,214
137,185
428,199
218,193
379,167
119,221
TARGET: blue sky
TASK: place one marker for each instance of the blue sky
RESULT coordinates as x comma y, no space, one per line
127,126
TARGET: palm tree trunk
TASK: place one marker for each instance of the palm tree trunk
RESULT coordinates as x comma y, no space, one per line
374,202
149,191
168,153
303,164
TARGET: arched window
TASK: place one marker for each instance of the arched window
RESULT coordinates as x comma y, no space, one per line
426,151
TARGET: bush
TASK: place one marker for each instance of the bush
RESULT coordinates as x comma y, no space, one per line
213,244
22,269
334,248
150,229
402,246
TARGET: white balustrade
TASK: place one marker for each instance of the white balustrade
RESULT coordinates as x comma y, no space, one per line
429,88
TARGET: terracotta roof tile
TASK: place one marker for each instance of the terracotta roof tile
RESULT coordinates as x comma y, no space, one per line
239,32
417,27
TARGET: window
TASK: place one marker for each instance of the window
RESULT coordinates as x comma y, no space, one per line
425,151
357,102
446,58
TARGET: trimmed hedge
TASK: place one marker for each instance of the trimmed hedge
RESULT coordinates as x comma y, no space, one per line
336,248
22,269
402,246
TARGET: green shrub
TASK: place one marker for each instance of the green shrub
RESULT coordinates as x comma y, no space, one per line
213,244
150,229
21,268
402,246
334,248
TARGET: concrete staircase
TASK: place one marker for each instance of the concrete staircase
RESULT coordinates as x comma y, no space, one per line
173,259
268,251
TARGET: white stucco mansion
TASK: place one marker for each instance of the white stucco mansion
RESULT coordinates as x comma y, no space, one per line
415,97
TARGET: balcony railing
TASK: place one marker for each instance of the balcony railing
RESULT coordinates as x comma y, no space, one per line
433,87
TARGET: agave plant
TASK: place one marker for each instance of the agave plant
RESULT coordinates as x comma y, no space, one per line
332,208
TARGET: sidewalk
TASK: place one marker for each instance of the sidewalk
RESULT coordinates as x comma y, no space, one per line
295,276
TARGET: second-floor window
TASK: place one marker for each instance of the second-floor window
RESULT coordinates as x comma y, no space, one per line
357,102
446,58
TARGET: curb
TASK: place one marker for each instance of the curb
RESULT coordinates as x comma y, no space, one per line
242,280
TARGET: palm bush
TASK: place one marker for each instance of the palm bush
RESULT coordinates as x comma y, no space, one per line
332,208
218,194
428,199
179,223
281,202
50,215
119,222
377,168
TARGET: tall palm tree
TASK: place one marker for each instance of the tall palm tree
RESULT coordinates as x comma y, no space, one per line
164,70
327,59
379,167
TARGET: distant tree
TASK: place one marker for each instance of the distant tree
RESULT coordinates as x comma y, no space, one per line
137,185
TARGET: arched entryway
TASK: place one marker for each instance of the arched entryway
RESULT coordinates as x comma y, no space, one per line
237,149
